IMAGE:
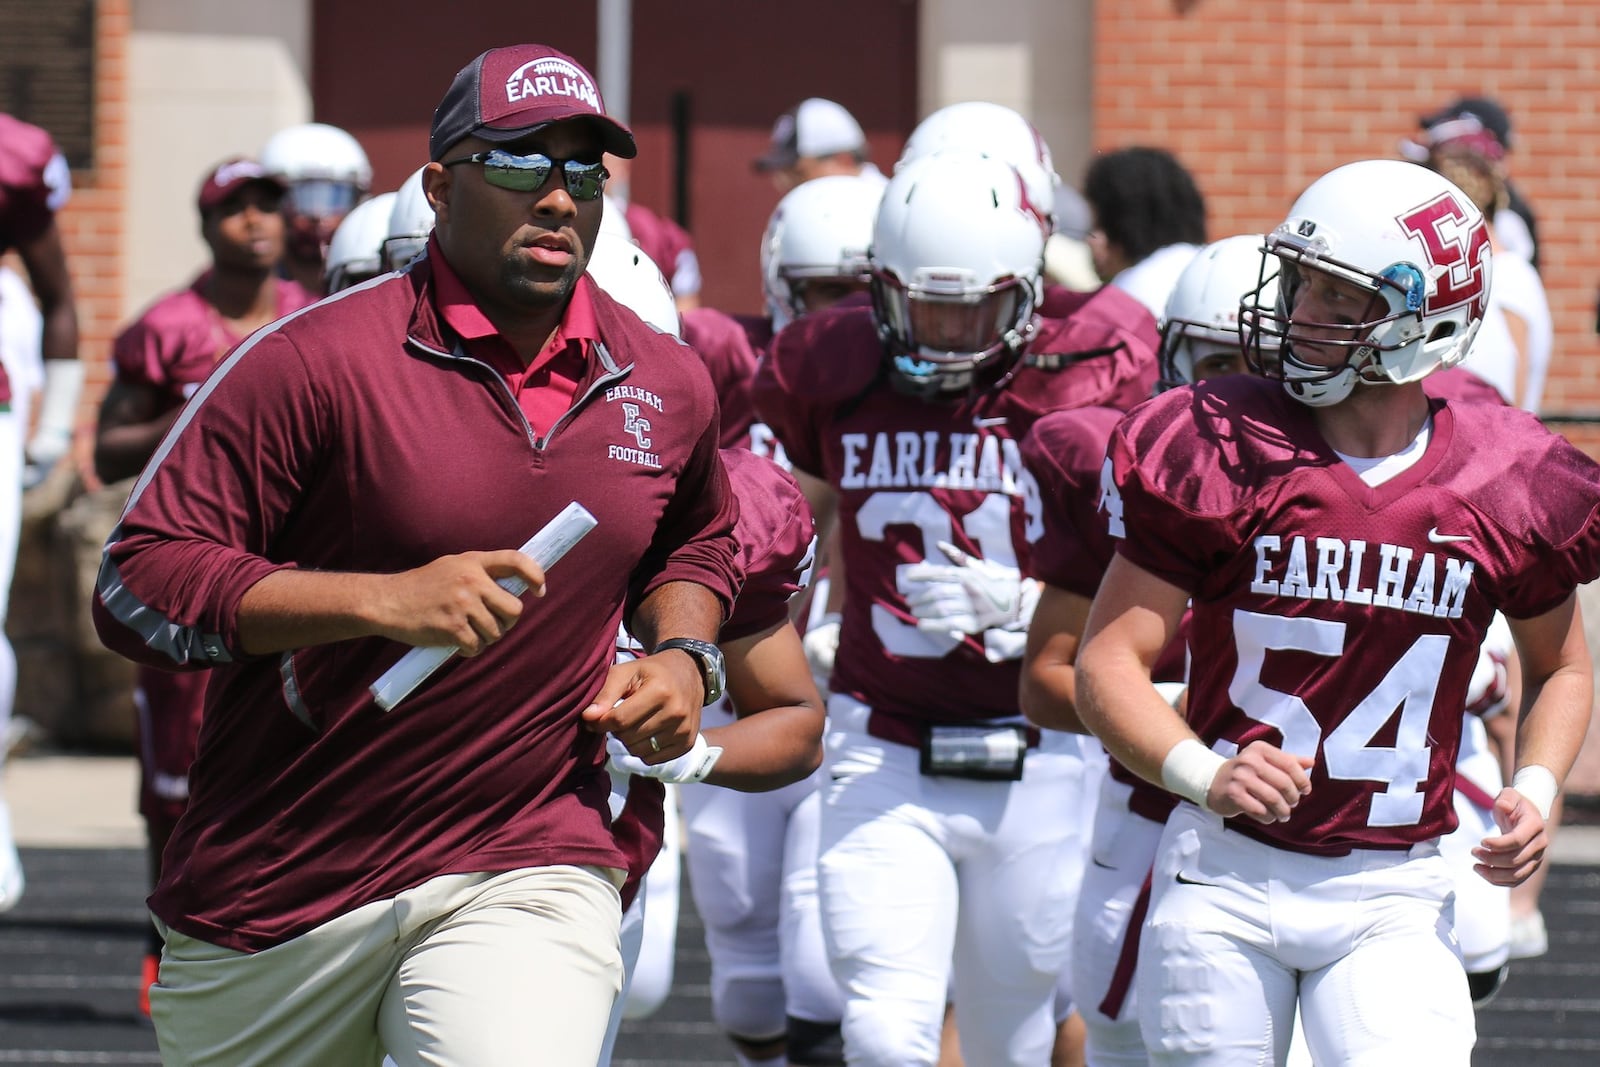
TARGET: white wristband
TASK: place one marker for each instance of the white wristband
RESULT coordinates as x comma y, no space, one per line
58,409
1538,784
1189,770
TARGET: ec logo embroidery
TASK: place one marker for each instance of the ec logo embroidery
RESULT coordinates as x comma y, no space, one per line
633,424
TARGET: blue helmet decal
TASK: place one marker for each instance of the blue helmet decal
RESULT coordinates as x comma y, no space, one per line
1410,280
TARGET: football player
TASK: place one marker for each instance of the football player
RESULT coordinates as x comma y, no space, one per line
35,184
1330,527
1065,452
327,175
752,856
355,254
769,740
903,421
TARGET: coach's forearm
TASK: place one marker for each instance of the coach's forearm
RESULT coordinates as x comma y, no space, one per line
677,609
297,609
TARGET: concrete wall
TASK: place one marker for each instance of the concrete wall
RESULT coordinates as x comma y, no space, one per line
1030,55
207,79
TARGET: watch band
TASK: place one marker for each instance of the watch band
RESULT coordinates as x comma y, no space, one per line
708,657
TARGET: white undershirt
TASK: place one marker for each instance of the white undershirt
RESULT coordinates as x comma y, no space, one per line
1375,470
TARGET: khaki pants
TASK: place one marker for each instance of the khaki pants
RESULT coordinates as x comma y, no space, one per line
468,970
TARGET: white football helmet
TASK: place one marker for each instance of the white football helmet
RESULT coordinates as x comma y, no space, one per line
356,251
315,150
1202,315
993,130
819,232
1396,230
956,259
632,278
614,219
410,223
325,168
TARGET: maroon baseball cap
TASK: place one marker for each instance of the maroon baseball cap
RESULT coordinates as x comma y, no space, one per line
507,93
231,175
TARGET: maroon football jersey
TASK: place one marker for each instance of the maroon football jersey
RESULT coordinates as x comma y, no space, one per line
1059,302
174,345
910,473
1460,384
669,245
730,350
1065,452
1342,621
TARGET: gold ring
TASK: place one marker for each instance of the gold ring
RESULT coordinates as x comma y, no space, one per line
655,745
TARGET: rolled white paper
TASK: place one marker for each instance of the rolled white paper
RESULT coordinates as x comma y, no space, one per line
545,547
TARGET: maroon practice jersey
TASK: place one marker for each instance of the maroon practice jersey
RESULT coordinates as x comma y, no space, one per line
1342,621
359,436
174,345
910,473
777,544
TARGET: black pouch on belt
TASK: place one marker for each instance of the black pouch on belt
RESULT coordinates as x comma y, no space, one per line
984,752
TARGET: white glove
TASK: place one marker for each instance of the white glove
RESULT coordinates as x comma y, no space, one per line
692,766
821,645
970,595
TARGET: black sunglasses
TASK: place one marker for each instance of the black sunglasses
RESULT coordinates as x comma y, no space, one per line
526,174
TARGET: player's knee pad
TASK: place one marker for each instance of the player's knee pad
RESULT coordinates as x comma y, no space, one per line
749,1005
1483,985
813,1044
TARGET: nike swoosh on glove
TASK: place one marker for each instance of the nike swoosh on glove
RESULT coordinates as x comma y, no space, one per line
969,595
692,766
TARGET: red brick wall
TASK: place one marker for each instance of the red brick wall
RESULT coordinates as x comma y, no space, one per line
92,222
1258,99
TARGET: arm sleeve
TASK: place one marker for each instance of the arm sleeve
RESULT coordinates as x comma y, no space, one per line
1065,454
32,204
1566,539
138,356
1153,531
200,524
778,540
